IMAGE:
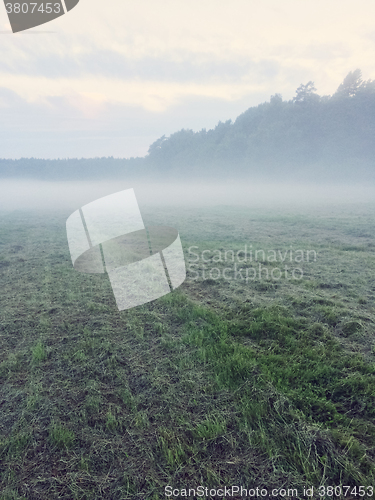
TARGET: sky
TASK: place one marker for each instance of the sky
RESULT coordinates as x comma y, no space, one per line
112,76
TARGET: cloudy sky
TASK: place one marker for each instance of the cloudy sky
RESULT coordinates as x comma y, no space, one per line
112,76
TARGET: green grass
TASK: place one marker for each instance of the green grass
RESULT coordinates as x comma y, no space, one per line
323,385
221,382
60,436
39,353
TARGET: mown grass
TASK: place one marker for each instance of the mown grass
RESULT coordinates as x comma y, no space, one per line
323,385
219,383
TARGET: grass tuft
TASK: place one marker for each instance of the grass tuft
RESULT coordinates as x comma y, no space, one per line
61,436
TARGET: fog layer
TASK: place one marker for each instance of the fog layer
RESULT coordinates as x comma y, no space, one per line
41,195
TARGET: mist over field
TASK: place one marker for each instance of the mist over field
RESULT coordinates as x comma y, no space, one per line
23,194
308,150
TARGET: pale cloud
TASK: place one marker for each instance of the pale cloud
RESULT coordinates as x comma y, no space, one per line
154,96
151,59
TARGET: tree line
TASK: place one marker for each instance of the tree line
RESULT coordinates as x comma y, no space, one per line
332,135
309,135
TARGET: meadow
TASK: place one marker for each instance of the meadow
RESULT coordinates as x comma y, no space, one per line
266,382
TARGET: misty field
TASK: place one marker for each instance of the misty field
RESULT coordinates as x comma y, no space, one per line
250,374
